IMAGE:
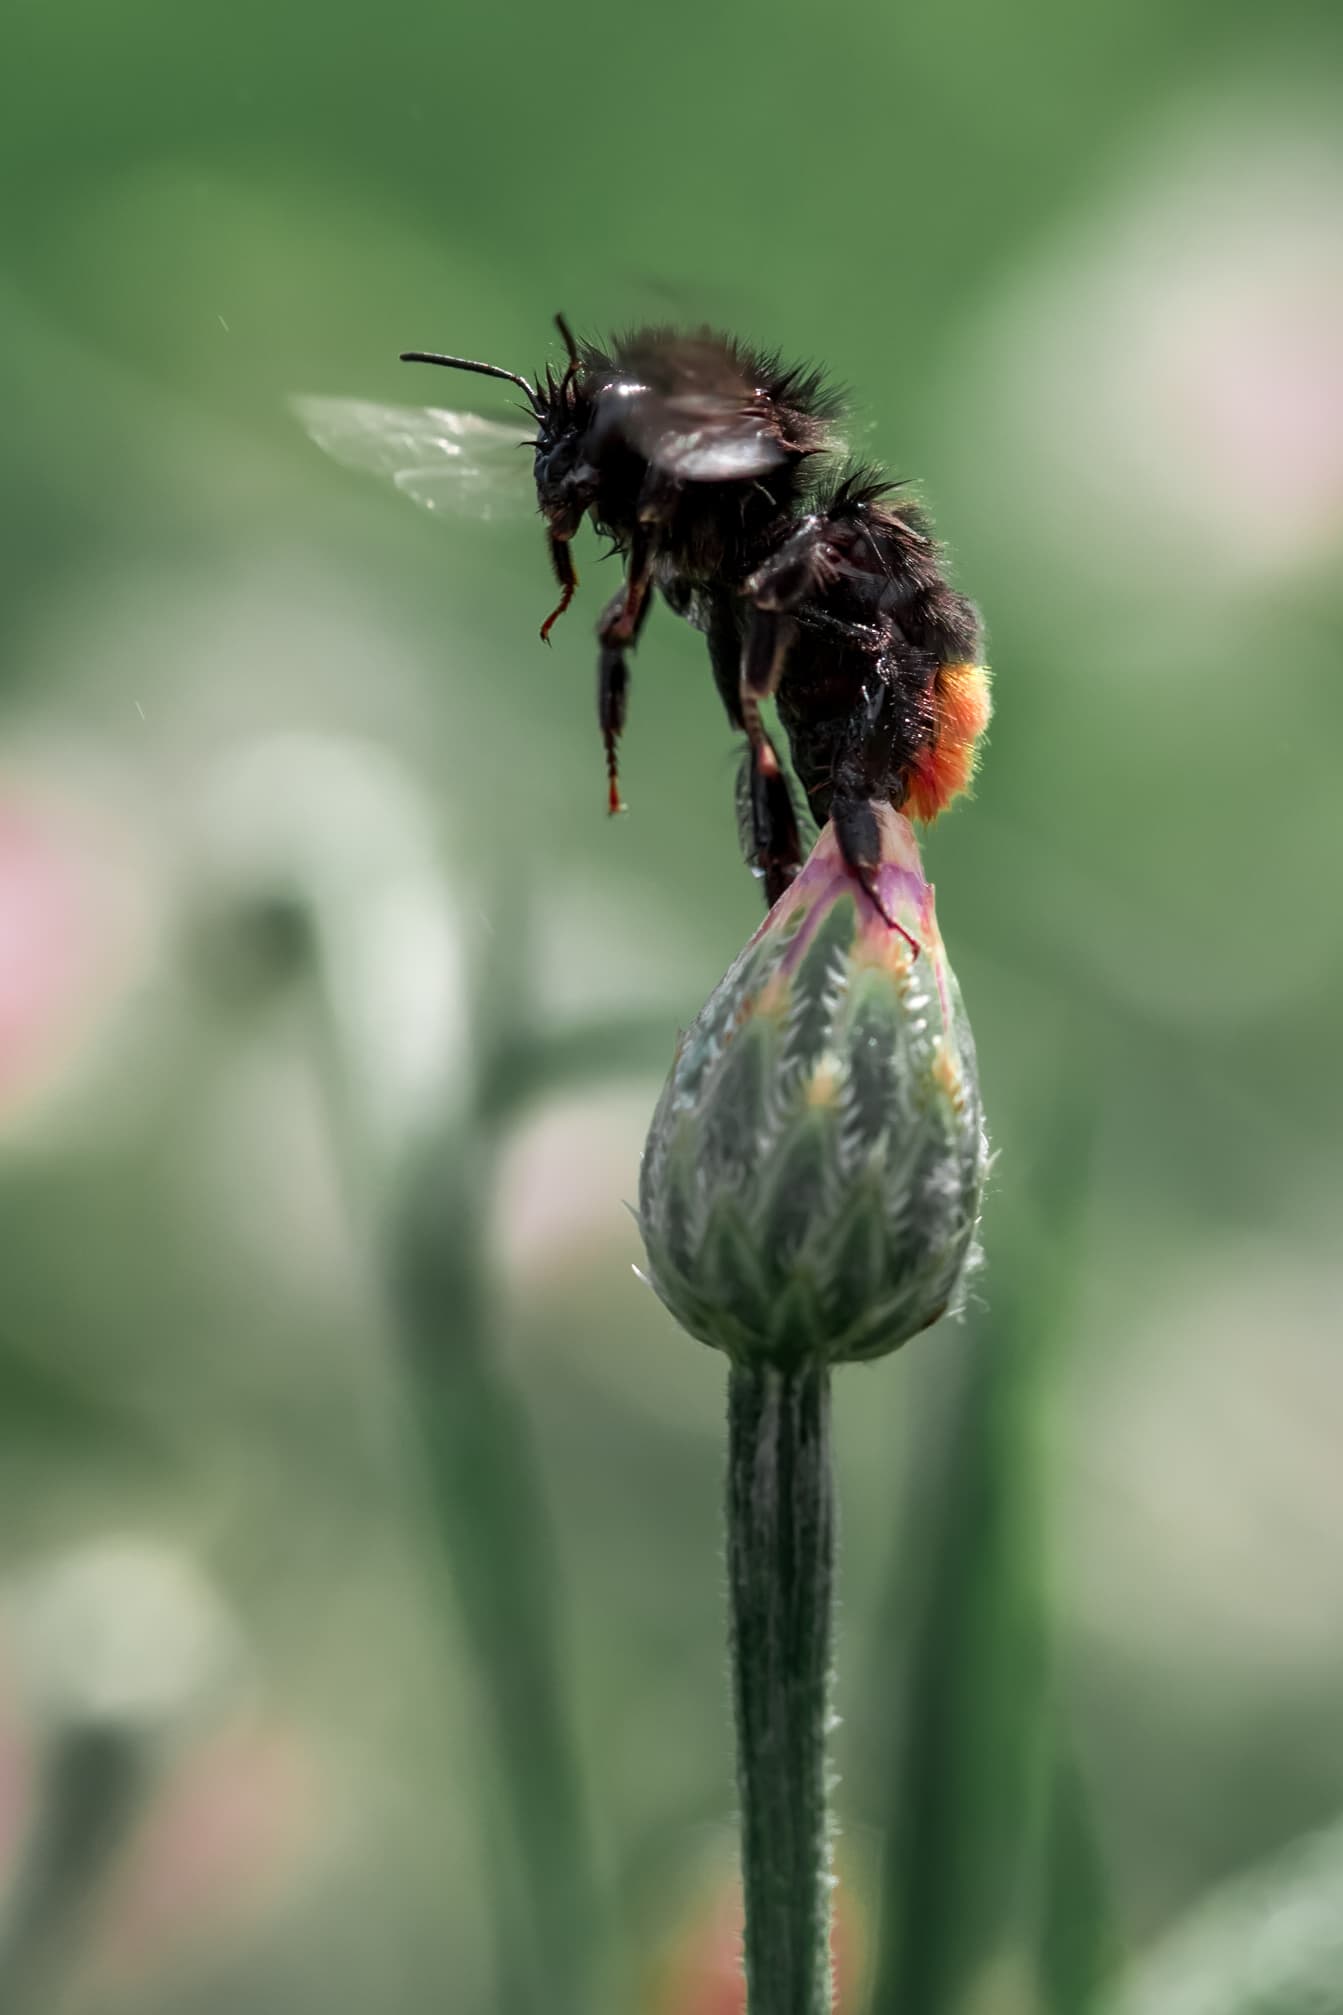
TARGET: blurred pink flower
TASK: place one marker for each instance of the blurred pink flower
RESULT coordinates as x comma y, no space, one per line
65,937
1165,378
15,1777
231,1826
559,1173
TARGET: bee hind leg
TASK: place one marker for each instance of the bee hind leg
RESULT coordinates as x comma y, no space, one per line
858,832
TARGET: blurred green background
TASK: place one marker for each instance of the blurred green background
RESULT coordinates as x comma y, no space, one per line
306,886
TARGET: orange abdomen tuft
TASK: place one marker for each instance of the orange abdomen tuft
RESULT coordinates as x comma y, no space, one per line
946,766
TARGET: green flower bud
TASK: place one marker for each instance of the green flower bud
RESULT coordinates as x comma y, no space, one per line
811,1182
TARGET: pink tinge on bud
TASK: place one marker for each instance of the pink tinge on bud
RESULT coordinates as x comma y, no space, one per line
903,916
813,1173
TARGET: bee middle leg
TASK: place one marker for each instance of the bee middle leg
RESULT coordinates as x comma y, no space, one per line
785,583
769,634
778,843
622,619
771,840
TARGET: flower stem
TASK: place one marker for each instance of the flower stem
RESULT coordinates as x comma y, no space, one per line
781,1558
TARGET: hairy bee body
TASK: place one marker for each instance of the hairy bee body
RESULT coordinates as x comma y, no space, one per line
705,462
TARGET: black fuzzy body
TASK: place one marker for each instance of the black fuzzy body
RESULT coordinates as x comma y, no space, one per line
876,624
710,466
618,430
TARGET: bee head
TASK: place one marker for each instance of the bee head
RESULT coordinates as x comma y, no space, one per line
566,482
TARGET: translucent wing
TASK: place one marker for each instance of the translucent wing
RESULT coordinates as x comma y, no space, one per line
455,464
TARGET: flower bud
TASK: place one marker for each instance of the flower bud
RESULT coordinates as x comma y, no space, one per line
811,1182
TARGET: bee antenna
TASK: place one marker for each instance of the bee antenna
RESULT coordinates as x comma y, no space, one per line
567,338
485,371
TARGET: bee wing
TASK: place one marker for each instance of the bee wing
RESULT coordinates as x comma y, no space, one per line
693,412
703,440
451,463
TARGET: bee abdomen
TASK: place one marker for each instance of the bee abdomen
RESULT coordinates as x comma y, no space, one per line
944,765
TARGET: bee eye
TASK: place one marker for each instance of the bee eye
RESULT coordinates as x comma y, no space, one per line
555,459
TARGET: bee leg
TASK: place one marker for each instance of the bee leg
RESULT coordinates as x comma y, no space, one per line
624,616
723,636
771,840
768,636
613,686
863,780
622,620
786,582
853,815
562,560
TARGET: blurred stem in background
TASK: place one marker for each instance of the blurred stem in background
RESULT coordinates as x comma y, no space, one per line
92,1786
122,1651
1079,1944
494,1532
991,1872
416,1051
1268,1943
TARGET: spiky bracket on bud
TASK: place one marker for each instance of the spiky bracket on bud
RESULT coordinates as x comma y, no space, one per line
812,1178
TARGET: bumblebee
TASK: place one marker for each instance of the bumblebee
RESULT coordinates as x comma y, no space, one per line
711,467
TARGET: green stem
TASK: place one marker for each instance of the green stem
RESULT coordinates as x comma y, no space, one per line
781,1560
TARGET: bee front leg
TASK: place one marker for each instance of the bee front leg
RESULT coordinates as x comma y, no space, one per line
562,560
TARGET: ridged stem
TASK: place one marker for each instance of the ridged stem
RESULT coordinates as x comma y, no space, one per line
781,1563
